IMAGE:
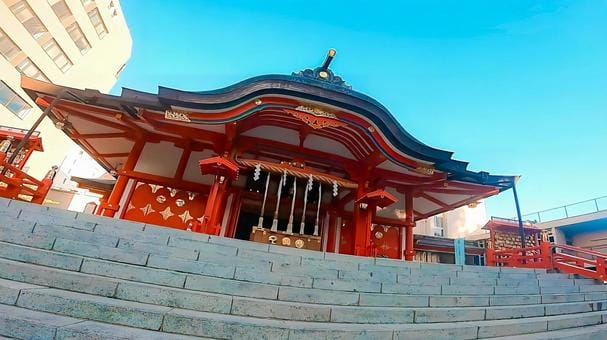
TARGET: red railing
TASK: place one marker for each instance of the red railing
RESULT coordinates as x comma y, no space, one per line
564,258
15,183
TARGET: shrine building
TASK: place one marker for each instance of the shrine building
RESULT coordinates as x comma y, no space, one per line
298,160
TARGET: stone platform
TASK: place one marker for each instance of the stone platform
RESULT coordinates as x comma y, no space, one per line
78,276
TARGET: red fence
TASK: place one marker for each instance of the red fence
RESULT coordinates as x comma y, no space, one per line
566,259
15,183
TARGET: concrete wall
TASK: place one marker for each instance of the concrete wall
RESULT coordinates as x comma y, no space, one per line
593,240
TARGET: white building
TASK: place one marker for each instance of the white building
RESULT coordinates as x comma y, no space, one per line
77,43
463,222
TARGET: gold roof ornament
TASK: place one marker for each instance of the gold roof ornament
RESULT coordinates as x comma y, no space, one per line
177,116
425,169
316,111
315,117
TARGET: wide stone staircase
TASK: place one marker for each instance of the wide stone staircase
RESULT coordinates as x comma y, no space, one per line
67,275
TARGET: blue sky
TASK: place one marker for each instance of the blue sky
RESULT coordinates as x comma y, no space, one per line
513,87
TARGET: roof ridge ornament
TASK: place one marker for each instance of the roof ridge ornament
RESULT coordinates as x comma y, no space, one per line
323,73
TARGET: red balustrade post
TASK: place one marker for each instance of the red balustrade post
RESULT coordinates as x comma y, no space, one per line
546,253
514,259
490,257
13,189
45,187
5,145
600,269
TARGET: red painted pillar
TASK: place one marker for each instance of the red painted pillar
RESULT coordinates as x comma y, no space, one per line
234,213
224,170
362,231
331,231
362,217
102,202
209,223
409,225
218,205
113,201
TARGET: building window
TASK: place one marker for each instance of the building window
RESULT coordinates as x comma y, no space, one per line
61,10
57,55
71,26
8,48
438,229
28,68
97,22
13,102
24,13
78,37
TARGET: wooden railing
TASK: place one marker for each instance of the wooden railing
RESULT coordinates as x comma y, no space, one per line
564,258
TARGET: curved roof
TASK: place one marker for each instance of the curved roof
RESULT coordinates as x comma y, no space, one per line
316,89
318,85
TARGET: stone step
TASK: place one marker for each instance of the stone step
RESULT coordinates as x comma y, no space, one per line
171,297
598,332
137,231
83,248
188,322
9,290
466,270
107,286
126,277
20,323
144,257
132,231
232,287
92,307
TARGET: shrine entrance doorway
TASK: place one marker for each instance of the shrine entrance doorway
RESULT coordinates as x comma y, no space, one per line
246,221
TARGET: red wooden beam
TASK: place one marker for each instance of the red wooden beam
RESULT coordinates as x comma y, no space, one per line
103,135
183,161
113,155
167,181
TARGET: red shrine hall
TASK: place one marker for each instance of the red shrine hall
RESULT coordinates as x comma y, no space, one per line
298,160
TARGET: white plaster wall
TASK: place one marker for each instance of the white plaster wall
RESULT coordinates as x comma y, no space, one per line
159,159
